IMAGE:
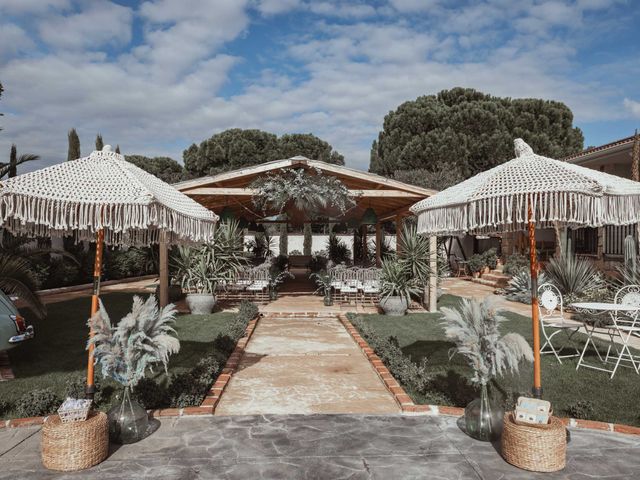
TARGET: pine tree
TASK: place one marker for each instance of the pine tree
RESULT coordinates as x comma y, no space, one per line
13,161
74,145
99,143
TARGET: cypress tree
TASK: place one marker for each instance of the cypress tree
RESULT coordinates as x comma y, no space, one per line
99,143
13,161
118,149
284,239
74,145
307,240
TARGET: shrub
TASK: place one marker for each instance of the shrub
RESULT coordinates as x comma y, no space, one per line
476,263
37,403
248,309
149,393
206,370
516,263
295,252
5,407
337,250
490,258
185,391
75,387
410,374
223,345
318,262
580,409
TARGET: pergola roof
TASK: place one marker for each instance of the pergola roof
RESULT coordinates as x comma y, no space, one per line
387,197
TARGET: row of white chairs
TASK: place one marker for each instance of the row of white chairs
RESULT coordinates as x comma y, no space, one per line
355,283
252,282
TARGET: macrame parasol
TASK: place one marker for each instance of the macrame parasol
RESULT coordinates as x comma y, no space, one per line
104,198
529,192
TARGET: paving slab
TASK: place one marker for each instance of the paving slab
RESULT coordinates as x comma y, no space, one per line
321,447
304,366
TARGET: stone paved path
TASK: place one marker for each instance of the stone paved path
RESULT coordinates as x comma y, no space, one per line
304,365
321,447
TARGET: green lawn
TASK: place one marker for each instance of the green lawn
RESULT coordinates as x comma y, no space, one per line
57,353
422,336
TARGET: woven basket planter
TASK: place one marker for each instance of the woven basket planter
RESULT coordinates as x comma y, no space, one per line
75,445
536,448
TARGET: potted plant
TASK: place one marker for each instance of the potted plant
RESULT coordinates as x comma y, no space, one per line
143,339
475,329
199,272
476,264
396,287
490,258
324,281
276,277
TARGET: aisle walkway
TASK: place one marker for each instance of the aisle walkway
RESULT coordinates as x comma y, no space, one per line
304,365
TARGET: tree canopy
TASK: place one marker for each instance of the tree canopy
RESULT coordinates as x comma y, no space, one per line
236,148
165,168
470,131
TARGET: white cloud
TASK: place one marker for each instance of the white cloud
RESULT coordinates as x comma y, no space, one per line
274,7
13,40
632,106
32,6
342,9
101,24
414,5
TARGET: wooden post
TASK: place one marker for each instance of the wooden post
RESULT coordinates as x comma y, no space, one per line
433,275
533,263
363,232
164,270
95,305
398,232
378,244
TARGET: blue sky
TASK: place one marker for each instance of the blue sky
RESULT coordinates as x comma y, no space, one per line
156,76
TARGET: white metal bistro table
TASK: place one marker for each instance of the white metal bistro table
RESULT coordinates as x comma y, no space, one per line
624,322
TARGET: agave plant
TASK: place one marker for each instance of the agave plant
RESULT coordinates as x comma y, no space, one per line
475,329
143,339
519,288
396,280
414,254
337,251
574,276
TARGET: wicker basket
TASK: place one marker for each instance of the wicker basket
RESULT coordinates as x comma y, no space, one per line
75,445
74,415
533,448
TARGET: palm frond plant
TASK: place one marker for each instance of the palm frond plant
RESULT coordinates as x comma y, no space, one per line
324,280
261,247
17,278
309,192
474,327
140,341
414,254
397,286
337,250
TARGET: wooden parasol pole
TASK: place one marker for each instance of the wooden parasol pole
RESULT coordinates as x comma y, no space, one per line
533,263
97,269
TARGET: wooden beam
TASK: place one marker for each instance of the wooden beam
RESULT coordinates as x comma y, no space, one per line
164,270
378,244
247,192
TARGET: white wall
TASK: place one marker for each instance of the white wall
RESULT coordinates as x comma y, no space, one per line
319,242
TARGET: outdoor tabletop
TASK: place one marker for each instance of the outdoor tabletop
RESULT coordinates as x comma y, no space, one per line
602,306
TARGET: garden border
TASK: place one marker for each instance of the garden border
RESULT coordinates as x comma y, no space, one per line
408,406
208,405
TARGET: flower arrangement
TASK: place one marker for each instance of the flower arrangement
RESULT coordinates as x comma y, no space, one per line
143,339
474,327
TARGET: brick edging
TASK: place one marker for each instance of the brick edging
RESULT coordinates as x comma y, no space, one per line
208,405
408,406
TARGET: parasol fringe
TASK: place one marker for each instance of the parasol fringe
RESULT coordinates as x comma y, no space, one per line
509,213
133,224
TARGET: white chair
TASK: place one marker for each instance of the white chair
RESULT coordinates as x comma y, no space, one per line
259,286
371,285
626,325
552,322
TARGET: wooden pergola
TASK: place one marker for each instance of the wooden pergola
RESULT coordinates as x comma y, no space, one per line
230,192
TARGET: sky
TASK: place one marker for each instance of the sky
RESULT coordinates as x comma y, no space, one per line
156,76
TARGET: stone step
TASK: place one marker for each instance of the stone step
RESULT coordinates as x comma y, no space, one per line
496,277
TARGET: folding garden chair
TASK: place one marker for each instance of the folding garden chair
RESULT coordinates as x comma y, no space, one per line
552,322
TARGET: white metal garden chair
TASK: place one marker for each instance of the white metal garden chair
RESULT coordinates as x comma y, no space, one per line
626,324
371,284
259,285
552,322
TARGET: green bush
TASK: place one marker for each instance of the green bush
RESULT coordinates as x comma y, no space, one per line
490,258
75,387
185,391
580,409
248,310
5,407
476,263
206,370
516,263
295,252
149,393
337,250
223,345
415,377
37,403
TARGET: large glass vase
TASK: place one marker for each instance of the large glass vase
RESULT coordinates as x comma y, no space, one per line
483,418
128,420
